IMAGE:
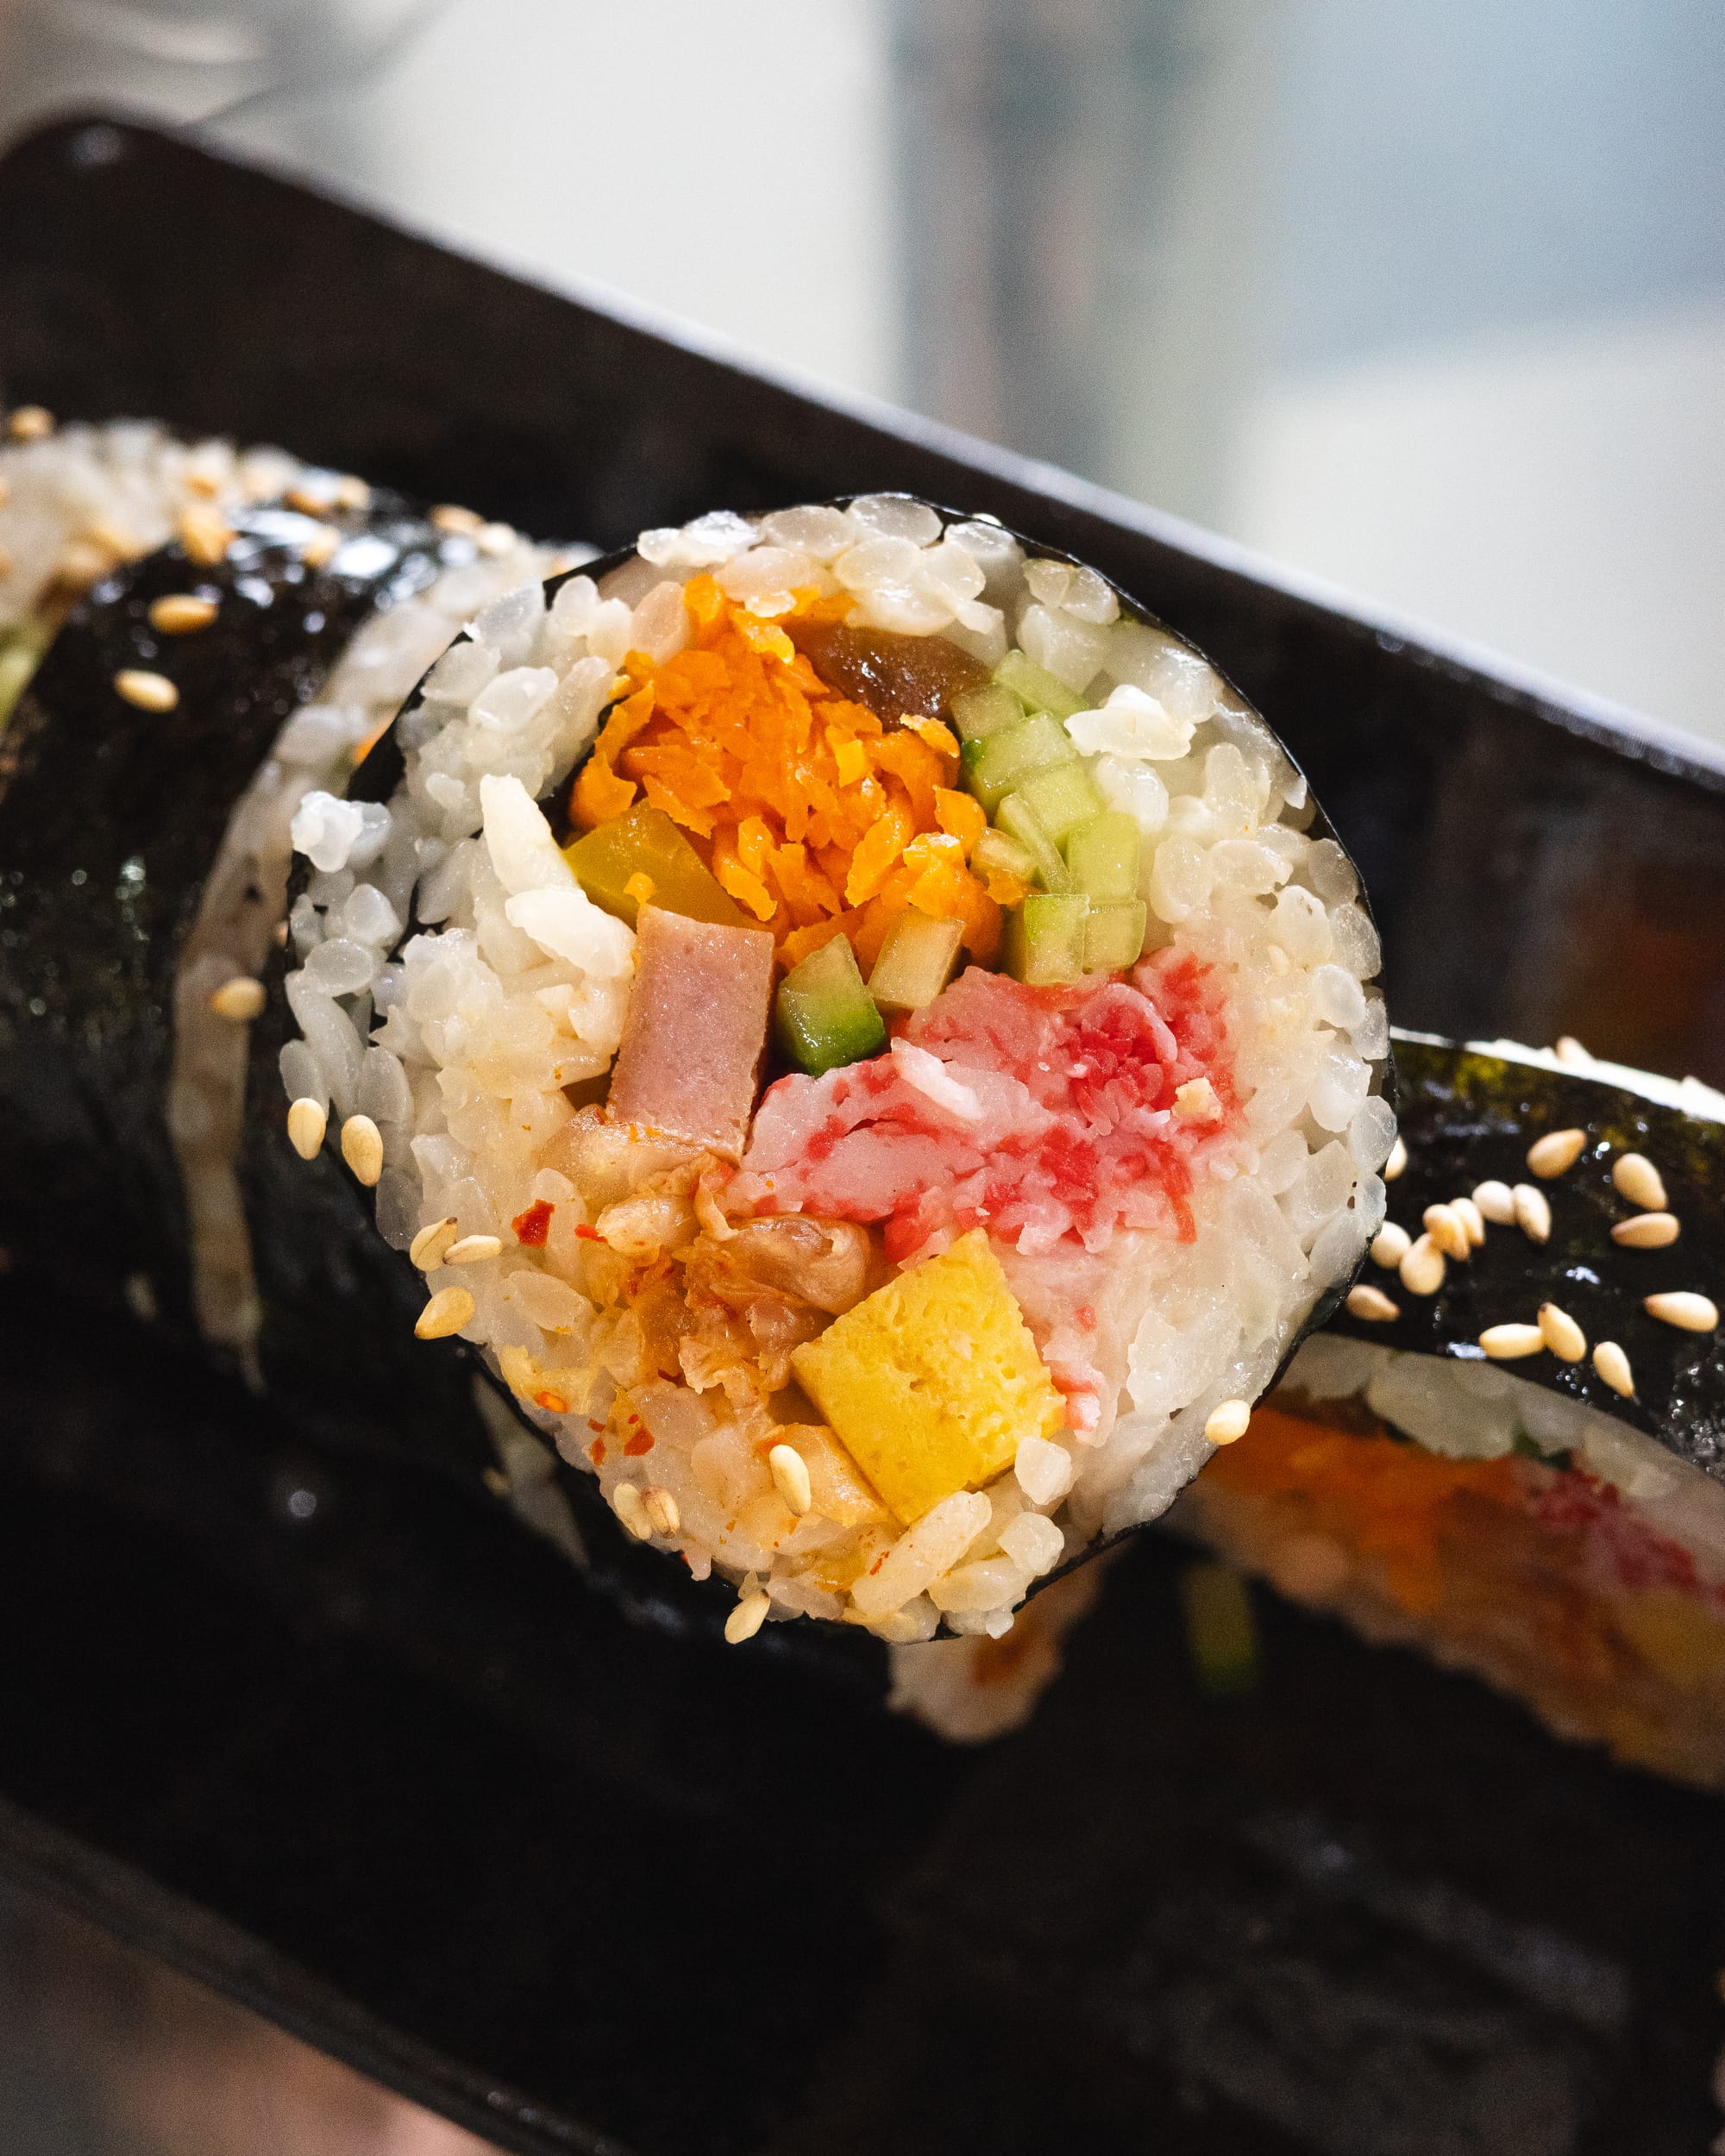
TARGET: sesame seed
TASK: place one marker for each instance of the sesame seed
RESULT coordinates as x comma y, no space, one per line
149,691
1613,1366
1372,1304
239,1000
1471,1219
30,422
114,538
180,612
791,1477
1422,1270
1446,1229
1555,1153
1570,1052
426,1248
747,1619
448,1310
306,1123
319,544
362,1148
1532,1214
1390,1245
1225,1423
626,1503
1396,1163
1647,1232
1640,1182
1689,1312
351,492
1508,1343
495,540
661,1509
450,517
1561,1334
473,1249
1496,1203
205,533
309,501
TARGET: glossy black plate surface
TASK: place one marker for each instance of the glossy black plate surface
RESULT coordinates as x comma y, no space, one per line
383,1765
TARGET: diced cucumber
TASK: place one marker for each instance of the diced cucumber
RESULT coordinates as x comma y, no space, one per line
1036,689
1013,755
916,961
998,852
1103,855
1061,796
1114,934
1045,938
825,1015
979,713
1021,821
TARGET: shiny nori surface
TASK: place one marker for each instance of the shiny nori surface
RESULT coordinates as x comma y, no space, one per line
1467,1117
109,819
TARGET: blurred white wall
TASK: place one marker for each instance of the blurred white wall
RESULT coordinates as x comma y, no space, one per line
1427,299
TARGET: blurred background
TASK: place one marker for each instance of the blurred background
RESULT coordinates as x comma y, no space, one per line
1427,301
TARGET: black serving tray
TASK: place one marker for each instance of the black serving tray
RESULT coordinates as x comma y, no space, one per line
382,1765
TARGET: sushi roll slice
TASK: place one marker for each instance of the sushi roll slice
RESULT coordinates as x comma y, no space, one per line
883,1063
1509,1449
197,637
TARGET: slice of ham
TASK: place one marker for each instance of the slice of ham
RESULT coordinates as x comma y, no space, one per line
696,1031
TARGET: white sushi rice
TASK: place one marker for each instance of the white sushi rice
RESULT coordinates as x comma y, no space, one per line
1467,1410
82,499
245,898
515,987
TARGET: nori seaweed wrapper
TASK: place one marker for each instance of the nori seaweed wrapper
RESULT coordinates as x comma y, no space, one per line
1468,1116
111,818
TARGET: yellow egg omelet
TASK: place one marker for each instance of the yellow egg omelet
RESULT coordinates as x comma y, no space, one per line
933,1382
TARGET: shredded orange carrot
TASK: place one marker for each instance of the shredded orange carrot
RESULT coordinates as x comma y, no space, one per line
817,818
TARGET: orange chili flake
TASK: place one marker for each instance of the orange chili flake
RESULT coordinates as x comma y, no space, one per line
596,1451
640,1442
532,1227
588,1234
552,1403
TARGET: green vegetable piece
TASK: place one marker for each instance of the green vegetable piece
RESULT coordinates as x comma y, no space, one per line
1015,754
825,1015
1062,798
998,851
980,713
1045,938
1221,1633
1114,934
1020,821
916,961
20,652
1036,690
644,841
1103,855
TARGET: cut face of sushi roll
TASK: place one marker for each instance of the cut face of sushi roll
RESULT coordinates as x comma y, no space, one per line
884,1066
1510,1448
